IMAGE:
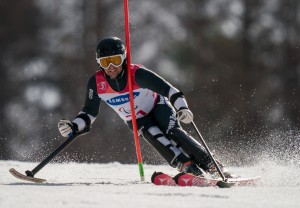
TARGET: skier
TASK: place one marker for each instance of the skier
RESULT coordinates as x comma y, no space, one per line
159,107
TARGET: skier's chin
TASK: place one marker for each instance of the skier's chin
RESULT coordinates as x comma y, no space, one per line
113,72
113,75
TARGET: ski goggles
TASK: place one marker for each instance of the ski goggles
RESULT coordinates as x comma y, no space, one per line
116,60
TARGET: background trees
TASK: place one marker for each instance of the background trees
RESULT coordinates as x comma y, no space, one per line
236,60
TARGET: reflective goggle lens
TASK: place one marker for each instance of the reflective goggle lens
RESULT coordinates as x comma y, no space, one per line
114,60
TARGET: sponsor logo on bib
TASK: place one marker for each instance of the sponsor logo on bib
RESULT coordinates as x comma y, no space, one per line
119,100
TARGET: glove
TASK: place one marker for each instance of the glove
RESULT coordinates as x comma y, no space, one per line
66,127
185,116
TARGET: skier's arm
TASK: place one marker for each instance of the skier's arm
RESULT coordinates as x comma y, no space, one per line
91,107
85,117
150,80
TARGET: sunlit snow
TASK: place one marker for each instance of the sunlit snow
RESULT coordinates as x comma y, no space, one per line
118,185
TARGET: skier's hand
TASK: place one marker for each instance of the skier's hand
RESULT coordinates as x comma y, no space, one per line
66,127
185,116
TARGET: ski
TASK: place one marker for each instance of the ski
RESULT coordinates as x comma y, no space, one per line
181,179
26,178
246,181
186,179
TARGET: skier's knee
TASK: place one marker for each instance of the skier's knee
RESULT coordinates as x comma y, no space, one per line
177,134
165,147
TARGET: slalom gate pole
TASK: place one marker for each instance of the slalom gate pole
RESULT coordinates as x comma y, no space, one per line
131,98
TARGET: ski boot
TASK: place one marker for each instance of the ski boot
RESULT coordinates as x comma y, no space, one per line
213,172
190,167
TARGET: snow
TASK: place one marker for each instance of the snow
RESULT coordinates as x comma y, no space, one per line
118,186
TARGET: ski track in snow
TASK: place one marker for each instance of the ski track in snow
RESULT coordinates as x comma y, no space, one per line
118,185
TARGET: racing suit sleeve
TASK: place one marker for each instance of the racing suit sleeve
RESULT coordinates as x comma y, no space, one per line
91,107
152,81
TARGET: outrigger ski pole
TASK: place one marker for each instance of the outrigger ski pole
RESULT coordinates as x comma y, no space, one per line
30,173
221,184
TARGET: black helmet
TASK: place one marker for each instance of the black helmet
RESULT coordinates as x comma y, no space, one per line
109,47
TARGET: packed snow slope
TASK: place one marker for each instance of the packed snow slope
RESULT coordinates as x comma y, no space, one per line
118,186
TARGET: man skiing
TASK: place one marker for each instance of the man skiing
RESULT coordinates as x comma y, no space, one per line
159,107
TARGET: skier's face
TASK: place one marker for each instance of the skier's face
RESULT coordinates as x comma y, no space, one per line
113,71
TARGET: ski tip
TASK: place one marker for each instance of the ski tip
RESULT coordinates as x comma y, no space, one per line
176,178
154,175
160,178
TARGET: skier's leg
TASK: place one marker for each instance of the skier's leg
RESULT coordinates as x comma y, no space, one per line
175,156
165,117
163,146
198,152
191,146
154,136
